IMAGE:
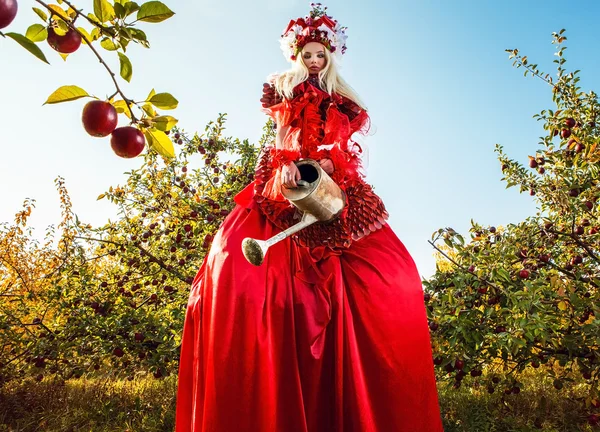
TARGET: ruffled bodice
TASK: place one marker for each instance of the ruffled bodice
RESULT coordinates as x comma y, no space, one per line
320,126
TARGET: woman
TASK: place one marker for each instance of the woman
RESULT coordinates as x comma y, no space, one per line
330,333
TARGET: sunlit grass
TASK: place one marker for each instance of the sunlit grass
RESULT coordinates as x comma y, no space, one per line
147,404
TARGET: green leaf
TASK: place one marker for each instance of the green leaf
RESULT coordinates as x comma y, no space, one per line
131,7
41,14
164,101
154,12
119,10
66,94
108,44
126,67
104,10
160,142
36,33
138,34
28,45
164,123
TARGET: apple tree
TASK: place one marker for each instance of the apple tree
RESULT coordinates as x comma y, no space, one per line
110,29
527,294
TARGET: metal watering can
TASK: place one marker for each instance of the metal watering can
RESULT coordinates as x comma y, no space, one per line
317,196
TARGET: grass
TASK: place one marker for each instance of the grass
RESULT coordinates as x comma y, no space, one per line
147,404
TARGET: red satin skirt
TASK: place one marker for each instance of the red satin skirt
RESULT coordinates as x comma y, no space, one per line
311,341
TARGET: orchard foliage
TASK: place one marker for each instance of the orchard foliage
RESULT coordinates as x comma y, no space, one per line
527,294
112,299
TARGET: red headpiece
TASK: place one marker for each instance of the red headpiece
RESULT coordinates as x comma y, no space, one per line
316,27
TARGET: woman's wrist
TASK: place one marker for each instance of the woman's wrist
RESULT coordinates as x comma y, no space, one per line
281,157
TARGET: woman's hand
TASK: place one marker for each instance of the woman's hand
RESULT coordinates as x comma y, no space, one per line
290,174
327,165
269,97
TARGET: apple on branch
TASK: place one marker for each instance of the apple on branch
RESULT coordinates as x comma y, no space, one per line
99,118
65,44
8,11
127,141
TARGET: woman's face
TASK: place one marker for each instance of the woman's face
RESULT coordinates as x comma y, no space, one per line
313,55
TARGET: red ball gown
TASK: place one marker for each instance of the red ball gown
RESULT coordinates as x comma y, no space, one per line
330,332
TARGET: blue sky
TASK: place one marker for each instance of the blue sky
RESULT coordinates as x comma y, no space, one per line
439,87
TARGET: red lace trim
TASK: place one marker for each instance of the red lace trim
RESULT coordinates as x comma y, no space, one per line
280,157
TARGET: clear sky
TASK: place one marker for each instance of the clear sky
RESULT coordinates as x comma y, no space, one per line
439,87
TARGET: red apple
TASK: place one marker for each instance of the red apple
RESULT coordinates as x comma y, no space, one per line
139,337
570,122
127,141
579,148
532,162
8,11
66,44
99,118
593,419
524,274
118,352
565,133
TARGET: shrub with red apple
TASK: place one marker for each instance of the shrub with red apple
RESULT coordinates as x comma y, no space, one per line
528,294
111,299
113,31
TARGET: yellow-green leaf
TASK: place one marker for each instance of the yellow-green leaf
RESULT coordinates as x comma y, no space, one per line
64,56
153,12
36,33
72,13
59,11
152,93
160,142
108,44
41,14
100,197
164,101
62,27
85,35
104,10
164,123
121,107
149,110
562,305
94,18
95,33
66,94
28,45
126,67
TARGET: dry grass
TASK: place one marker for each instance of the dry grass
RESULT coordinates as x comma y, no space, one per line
148,405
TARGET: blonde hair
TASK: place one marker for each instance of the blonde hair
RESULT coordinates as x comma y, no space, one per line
329,79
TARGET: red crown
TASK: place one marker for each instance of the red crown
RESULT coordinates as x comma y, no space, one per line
316,27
